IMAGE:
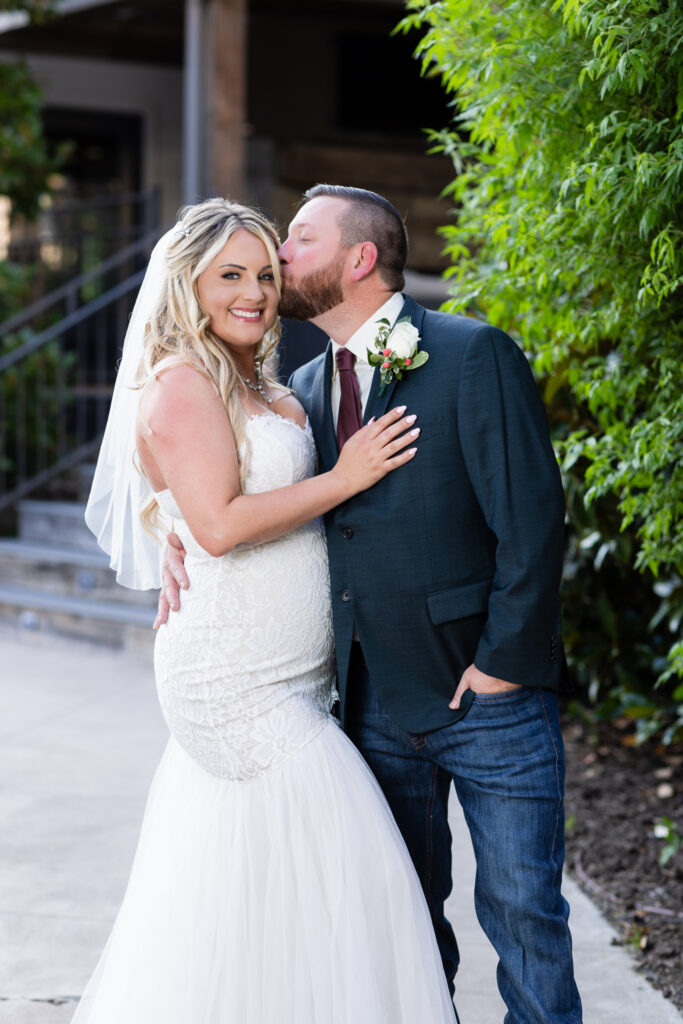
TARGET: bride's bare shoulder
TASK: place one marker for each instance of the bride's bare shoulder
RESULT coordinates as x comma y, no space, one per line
175,372
174,391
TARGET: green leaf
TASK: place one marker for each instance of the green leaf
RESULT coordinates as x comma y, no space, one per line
419,359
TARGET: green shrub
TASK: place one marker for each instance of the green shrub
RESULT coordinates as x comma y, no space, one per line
567,142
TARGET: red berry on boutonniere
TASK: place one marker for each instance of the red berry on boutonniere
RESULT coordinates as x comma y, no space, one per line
386,352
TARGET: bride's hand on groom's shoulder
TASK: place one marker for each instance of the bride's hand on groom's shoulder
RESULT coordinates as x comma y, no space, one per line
173,577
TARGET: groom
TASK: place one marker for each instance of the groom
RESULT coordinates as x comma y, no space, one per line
445,580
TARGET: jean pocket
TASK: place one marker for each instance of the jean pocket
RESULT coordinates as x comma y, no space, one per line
499,695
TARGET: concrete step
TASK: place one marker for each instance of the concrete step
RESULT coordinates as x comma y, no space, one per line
60,523
108,623
63,570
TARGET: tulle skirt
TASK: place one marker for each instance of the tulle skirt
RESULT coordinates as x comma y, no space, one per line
288,899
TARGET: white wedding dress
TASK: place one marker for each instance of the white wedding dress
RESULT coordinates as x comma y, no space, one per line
270,883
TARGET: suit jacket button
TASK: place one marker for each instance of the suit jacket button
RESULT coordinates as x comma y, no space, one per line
347,533
346,595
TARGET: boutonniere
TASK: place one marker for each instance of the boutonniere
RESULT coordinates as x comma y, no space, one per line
396,350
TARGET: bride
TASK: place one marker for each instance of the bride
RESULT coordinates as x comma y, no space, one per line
270,883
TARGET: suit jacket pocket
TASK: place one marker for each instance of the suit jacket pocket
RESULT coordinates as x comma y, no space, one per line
459,602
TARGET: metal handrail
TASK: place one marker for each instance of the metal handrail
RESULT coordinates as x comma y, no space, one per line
55,386
136,248
68,461
71,320
78,230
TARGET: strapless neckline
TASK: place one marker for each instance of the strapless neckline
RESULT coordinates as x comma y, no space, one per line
306,429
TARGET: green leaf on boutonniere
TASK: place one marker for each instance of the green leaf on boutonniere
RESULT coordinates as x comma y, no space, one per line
387,378
375,358
419,359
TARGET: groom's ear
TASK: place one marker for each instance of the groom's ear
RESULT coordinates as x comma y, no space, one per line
363,260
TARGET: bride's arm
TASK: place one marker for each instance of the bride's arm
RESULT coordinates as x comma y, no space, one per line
185,435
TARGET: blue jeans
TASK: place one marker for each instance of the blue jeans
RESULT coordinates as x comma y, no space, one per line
507,762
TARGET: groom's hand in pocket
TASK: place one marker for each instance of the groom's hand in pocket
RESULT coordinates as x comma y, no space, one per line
173,578
479,682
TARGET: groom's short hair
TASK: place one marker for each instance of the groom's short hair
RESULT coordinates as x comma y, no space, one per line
369,217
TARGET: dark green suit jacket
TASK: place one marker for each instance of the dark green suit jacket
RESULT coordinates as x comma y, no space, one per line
457,557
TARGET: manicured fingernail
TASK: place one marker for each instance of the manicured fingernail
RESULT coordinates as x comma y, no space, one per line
411,419
454,704
184,584
372,419
400,410
411,451
414,433
175,606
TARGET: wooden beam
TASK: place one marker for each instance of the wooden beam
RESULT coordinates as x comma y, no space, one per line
226,49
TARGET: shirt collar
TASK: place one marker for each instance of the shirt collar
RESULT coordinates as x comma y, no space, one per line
364,338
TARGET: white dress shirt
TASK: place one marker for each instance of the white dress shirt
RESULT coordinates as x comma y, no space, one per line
359,343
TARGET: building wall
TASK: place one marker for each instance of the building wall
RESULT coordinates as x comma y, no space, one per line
339,99
331,96
154,93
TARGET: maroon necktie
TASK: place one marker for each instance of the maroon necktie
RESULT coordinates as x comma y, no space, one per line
350,416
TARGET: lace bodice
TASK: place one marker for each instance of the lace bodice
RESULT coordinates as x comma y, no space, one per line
245,668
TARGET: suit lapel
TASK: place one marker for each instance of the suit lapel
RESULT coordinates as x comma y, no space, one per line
378,404
321,413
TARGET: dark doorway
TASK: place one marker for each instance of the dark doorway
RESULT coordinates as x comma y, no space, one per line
104,151
96,207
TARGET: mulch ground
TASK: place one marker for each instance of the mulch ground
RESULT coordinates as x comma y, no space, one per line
615,795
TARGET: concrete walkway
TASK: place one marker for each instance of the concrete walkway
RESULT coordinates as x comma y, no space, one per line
80,736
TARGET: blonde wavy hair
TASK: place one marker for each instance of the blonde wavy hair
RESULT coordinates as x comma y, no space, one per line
180,328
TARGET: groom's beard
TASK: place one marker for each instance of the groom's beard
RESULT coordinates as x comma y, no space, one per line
315,294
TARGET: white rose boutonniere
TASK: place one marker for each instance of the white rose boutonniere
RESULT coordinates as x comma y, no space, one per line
396,350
